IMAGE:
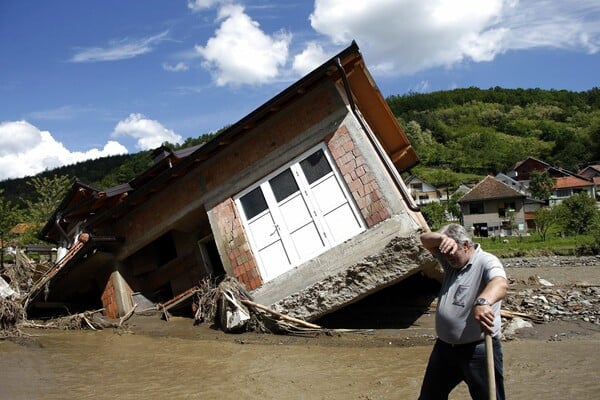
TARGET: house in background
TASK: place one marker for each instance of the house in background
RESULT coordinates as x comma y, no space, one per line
520,186
566,186
421,191
592,172
291,198
522,170
492,208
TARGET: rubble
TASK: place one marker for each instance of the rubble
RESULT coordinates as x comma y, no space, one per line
11,312
542,300
551,261
560,303
541,303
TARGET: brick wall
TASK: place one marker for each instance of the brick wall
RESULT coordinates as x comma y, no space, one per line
109,301
358,177
237,246
271,135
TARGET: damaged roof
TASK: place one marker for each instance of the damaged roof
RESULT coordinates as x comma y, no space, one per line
347,68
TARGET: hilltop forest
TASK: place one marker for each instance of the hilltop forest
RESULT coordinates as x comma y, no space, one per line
459,135
464,134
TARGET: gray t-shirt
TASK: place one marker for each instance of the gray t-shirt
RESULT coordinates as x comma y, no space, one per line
454,320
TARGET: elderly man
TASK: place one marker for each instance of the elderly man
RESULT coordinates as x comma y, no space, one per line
468,306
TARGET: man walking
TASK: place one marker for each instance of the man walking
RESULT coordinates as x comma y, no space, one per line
473,287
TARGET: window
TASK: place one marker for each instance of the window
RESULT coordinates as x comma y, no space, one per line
418,187
298,212
563,193
476,208
504,209
253,203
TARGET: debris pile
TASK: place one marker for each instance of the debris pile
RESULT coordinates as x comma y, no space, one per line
229,307
85,320
11,312
544,302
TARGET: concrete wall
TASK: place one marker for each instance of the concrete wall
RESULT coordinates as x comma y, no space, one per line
491,216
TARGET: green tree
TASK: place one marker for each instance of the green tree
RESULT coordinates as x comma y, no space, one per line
435,214
540,185
578,214
49,192
545,218
9,217
453,206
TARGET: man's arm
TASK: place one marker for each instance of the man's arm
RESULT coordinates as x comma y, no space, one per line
493,292
436,242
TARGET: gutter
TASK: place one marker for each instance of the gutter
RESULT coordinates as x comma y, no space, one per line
391,168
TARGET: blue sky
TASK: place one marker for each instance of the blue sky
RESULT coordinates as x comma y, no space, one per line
82,79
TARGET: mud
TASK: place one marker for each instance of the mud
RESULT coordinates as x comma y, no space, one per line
151,358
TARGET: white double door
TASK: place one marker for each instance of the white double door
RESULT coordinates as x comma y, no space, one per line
297,213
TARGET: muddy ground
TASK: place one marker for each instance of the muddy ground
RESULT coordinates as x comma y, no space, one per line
382,357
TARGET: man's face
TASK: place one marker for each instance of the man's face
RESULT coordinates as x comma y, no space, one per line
461,256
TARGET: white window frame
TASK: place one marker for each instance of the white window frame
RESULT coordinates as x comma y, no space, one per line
307,194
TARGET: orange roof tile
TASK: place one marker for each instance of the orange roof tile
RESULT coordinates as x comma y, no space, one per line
571,182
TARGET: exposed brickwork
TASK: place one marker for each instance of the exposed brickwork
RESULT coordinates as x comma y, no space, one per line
109,297
358,177
238,249
308,111
108,300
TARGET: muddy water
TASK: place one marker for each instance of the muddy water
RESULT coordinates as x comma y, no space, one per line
199,363
105,365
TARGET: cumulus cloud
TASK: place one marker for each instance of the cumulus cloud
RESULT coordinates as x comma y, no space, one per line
26,151
149,133
240,52
180,66
119,49
311,57
403,37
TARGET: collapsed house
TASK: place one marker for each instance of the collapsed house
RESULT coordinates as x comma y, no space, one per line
294,201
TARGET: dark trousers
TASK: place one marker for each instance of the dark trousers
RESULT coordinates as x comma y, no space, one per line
451,364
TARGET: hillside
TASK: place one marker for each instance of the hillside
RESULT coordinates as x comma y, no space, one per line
460,135
463,134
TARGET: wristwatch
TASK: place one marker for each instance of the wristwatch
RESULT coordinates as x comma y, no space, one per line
481,302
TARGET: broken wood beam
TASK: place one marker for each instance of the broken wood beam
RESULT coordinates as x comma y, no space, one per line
280,315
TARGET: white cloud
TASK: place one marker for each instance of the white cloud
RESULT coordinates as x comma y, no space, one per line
149,133
119,49
241,53
403,37
560,24
27,151
311,57
199,5
180,66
